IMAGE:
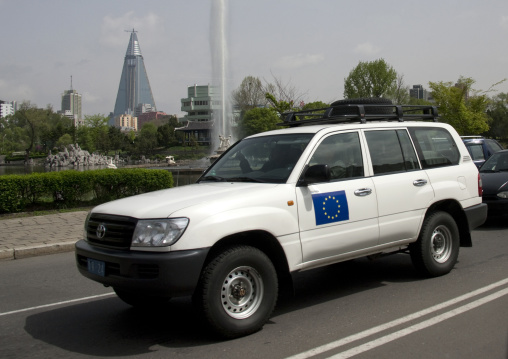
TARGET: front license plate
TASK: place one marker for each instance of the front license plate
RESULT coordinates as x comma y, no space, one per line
96,267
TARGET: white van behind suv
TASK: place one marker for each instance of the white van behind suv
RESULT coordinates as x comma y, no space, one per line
356,179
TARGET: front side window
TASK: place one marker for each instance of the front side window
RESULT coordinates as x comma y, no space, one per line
343,155
436,147
266,159
391,151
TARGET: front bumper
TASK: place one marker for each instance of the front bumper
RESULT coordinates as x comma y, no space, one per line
170,274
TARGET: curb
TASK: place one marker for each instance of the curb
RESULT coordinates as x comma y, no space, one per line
34,251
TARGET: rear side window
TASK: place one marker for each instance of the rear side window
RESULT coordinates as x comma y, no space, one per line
476,151
435,147
391,151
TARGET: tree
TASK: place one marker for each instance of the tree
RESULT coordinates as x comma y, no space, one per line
166,136
398,92
285,92
117,139
64,141
84,138
33,121
97,138
250,94
258,120
56,126
461,106
279,106
370,79
315,105
146,141
498,112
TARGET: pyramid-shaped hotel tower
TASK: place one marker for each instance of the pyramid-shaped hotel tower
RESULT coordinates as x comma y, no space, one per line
134,93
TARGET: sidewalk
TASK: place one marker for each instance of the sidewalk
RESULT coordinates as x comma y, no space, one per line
39,235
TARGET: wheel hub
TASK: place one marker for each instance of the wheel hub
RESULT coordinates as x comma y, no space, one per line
242,292
239,291
441,244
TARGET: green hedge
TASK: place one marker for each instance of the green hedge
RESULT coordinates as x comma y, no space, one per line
72,188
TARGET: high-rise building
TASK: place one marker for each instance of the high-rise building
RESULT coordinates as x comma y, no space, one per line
71,105
134,92
126,122
204,111
201,103
420,93
7,108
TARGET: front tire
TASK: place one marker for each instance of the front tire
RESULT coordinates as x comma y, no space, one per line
237,291
437,248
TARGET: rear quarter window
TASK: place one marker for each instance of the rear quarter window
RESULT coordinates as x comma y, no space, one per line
435,146
476,151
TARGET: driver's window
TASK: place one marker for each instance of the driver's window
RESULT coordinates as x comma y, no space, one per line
343,155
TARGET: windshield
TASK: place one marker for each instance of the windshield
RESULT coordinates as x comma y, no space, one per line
267,159
498,162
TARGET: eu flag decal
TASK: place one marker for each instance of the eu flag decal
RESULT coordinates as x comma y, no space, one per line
330,207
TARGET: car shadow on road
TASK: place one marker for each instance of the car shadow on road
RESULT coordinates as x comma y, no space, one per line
345,279
108,327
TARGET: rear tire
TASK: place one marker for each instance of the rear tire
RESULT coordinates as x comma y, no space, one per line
237,291
437,248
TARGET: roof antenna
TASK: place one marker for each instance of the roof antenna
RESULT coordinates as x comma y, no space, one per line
71,82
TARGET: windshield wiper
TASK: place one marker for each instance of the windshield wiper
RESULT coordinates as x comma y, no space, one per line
213,178
244,179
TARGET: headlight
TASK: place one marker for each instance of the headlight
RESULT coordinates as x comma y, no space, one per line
503,194
158,232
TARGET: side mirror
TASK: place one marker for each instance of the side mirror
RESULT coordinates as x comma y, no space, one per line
316,174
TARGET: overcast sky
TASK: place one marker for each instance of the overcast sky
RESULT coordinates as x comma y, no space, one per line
312,44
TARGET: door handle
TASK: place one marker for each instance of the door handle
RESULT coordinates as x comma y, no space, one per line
419,182
362,192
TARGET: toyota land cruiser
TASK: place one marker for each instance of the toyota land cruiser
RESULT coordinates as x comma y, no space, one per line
359,178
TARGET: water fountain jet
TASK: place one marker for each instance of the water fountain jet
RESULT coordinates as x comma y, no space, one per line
222,123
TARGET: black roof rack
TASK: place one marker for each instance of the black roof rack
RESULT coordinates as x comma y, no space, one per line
359,113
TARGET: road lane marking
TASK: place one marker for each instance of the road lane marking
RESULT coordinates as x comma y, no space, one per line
56,304
366,333
414,328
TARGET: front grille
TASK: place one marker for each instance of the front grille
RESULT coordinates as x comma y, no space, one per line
117,231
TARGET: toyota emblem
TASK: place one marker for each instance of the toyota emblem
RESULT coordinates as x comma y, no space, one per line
101,231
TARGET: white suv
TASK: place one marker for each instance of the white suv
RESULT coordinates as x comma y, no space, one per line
357,179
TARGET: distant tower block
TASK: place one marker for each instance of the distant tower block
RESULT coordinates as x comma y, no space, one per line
71,106
134,86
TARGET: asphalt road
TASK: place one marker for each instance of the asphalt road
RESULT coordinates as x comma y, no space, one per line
360,309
